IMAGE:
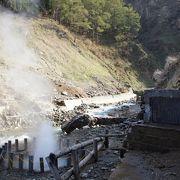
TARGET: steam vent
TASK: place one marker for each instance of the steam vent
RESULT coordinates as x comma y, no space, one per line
161,130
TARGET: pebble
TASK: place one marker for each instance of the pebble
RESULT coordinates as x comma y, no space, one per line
112,170
64,93
116,152
104,168
84,175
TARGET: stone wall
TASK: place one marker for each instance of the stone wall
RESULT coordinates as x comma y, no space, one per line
154,138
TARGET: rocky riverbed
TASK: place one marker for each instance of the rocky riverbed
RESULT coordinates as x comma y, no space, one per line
108,158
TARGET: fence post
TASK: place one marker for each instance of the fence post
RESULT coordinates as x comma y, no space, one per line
6,147
21,160
67,143
9,146
41,165
106,142
53,160
95,146
68,156
25,144
31,163
10,160
16,145
75,160
3,156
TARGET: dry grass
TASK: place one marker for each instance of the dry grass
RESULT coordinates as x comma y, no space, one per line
77,60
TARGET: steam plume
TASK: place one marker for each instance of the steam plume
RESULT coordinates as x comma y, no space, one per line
27,93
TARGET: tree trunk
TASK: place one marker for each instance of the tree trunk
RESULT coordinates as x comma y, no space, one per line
83,120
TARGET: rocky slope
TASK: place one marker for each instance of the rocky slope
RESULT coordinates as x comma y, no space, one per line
160,26
76,60
169,77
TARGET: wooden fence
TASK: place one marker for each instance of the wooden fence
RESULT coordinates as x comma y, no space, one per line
14,157
18,156
78,156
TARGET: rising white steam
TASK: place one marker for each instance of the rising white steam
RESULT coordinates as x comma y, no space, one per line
45,143
27,93
30,90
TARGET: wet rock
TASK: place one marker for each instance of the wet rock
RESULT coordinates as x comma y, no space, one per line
104,168
84,175
112,170
64,93
116,152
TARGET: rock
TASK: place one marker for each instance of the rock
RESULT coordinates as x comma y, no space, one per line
104,168
86,127
64,93
170,174
125,108
84,175
116,152
112,170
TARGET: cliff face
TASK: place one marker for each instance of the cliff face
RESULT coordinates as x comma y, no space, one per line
160,25
169,77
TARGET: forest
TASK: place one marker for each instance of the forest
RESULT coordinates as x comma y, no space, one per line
102,20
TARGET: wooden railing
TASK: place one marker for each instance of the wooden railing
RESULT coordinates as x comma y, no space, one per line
77,161
16,155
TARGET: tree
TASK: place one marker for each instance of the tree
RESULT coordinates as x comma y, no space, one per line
98,18
125,22
73,13
105,19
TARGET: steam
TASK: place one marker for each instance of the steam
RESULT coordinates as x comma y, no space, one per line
27,92
29,89
45,143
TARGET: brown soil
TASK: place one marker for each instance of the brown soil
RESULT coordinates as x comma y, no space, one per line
70,90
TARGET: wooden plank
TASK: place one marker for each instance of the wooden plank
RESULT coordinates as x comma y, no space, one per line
95,147
31,163
9,146
16,145
6,147
78,146
106,142
10,160
25,144
41,160
21,161
111,135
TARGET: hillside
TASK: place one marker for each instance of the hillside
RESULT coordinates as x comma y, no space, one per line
93,51
40,59
77,61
